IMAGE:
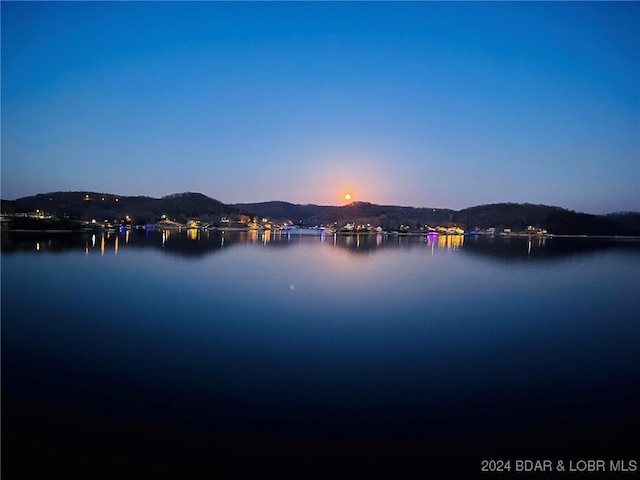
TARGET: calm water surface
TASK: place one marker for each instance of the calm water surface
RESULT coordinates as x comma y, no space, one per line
190,350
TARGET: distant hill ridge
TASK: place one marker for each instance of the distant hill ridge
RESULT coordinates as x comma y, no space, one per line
189,205
100,206
389,217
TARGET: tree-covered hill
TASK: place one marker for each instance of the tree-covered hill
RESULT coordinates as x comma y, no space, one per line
108,206
505,215
284,211
572,223
390,217
556,220
630,219
188,206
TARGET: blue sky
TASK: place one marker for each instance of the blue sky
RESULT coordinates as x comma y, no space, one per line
423,104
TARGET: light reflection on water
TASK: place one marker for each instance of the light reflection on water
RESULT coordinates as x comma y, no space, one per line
193,242
109,240
334,338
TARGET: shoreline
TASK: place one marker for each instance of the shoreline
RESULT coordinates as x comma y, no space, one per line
349,234
20,230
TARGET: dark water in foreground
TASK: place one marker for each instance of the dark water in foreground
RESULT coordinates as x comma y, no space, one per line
201,352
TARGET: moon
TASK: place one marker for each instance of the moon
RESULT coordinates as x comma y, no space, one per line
347,196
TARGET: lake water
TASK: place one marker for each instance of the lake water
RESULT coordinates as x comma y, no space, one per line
192,352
